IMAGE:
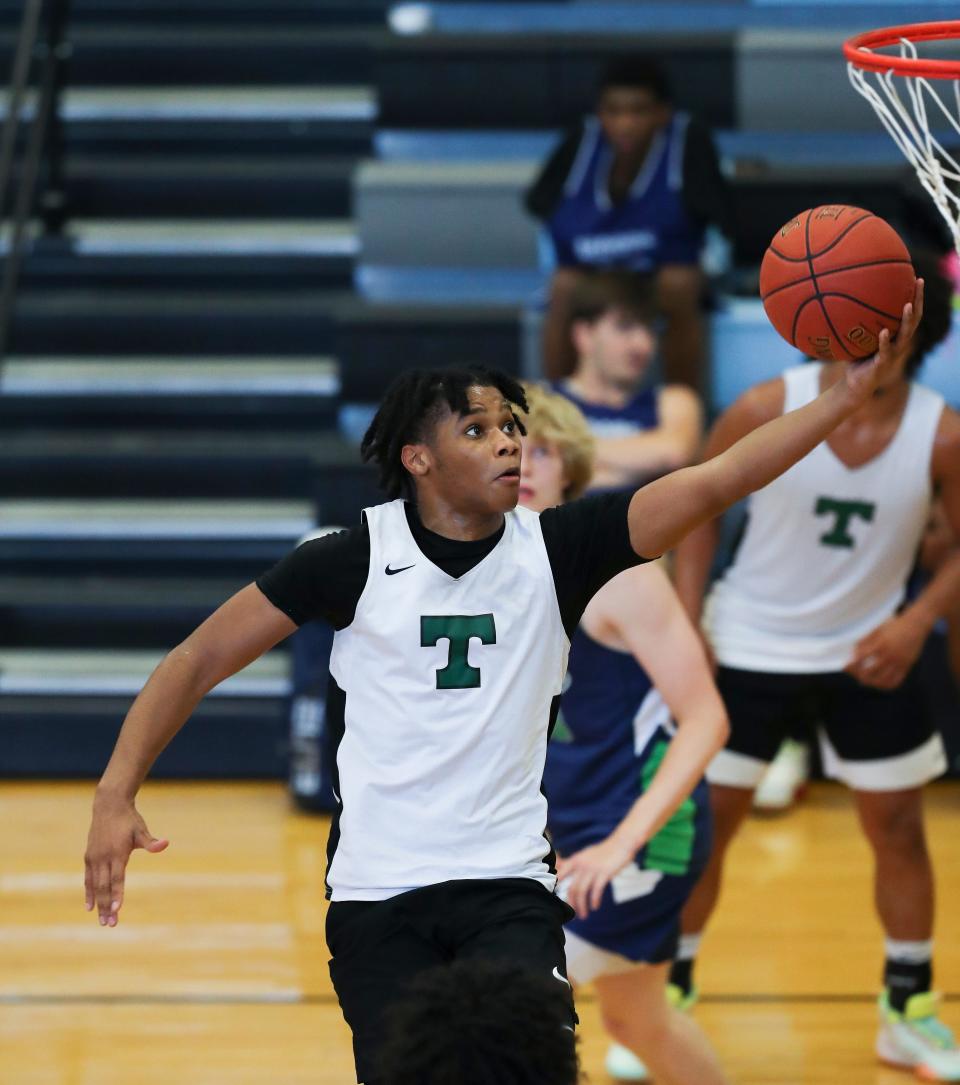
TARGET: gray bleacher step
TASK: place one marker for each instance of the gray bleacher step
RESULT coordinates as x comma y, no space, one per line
245,375
65,521
251,393
224,104
163,536
240,238
92,673
242,253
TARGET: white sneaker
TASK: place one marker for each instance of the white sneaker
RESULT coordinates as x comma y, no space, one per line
622,1064
785,778
917,1039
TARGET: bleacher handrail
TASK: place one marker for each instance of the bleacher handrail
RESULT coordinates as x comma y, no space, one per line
44,135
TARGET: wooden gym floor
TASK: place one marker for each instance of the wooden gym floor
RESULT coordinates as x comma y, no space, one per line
216,974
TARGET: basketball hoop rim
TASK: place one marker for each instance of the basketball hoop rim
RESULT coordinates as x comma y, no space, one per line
858,50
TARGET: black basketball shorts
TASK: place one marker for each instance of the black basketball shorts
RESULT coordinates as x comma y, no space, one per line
378,947
871,739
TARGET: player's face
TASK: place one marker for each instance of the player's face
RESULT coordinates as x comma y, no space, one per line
543,477
475,458
619,348
630,117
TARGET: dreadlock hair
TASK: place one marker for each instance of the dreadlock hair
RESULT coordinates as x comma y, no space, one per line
477,1022
412,406
937,308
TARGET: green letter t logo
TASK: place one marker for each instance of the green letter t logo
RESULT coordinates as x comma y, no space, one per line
458,630
844,511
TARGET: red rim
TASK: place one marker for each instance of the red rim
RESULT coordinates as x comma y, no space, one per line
858,50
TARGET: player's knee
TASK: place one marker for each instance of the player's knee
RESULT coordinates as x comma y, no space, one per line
899,830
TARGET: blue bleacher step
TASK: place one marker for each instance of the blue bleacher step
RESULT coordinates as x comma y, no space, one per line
781,148
134,185
212,321
639,16
118,608
61,710
140,53
225,12
211,457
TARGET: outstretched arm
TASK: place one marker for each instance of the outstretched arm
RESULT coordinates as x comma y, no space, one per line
667,646
666,510
245,627
694,556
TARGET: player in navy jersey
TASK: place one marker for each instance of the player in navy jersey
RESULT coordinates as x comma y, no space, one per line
633,187
628,809
453,611
642,429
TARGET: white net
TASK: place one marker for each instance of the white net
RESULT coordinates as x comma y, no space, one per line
911,109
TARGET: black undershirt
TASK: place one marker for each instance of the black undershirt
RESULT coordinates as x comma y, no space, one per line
587,543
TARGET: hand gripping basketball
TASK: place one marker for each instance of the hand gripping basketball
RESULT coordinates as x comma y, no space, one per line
863,378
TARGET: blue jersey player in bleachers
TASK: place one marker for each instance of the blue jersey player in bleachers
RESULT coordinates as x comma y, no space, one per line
633,187
628,809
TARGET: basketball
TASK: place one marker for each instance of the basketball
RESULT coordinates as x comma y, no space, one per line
832,278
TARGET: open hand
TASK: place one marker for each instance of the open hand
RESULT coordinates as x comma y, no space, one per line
588,872
863,378
116,829
884,657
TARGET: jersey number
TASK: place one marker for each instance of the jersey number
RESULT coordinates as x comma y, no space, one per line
458,630
844,511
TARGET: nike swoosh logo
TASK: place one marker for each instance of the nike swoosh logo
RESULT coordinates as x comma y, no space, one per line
392,572
557,976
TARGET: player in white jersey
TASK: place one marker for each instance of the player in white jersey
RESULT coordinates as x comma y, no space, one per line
807,626
453,611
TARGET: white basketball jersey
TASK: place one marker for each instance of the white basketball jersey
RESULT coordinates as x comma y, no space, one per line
449,685
827,549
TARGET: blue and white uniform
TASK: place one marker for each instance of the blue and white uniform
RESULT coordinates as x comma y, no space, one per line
641,413
651,227
611,735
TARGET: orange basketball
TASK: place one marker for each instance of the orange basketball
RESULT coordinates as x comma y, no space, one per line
832,278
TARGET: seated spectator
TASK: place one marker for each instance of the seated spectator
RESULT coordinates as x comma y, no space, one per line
633,187
643,429
476,1022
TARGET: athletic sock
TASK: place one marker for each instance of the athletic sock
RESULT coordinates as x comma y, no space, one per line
681,971
907,971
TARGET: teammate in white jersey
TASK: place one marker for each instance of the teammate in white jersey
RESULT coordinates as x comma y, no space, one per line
453,612
807,628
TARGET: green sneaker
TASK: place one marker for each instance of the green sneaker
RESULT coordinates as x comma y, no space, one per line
622,1064
917,1039
681,1000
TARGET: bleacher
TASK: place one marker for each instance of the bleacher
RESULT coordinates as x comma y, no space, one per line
273,206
